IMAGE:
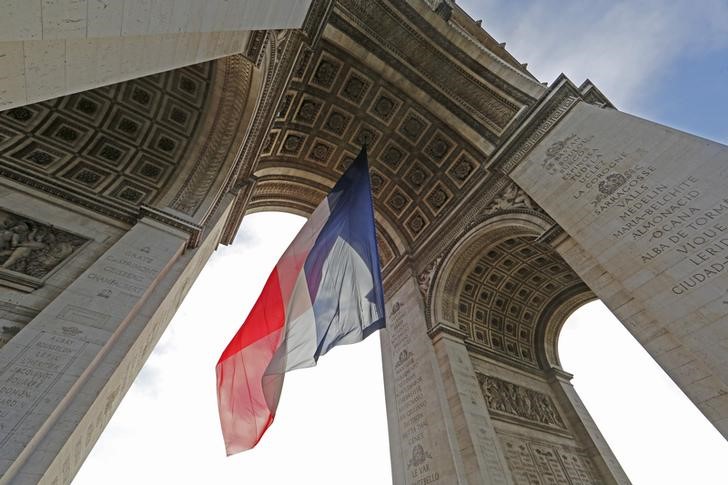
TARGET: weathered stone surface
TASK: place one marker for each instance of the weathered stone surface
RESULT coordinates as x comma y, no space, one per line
496,200
645,209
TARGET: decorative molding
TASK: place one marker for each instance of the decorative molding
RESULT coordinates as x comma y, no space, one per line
278,73
113,211
255,48
446,329
316,19
401,40
218,143
562,96
591,94
444,10
551,235
194,230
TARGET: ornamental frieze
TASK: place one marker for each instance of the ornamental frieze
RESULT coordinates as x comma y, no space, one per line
30,250
514,400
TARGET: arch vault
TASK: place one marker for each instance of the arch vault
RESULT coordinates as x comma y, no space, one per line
502,204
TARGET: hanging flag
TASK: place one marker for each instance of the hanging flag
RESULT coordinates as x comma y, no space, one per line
326,290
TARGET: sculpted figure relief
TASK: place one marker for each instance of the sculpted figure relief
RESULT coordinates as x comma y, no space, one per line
512,197
32,248
505,397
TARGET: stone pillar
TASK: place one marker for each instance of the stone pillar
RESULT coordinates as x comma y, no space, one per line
64,374
421,430
585,427
477,443
646,213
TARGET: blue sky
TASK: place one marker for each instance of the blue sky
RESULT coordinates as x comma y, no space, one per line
666,61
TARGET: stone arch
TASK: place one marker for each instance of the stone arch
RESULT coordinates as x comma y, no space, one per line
299,192
508,291
208,167
552,321
503,293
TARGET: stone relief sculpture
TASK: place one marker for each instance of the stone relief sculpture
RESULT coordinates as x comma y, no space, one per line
425,278
508,398
512,197
32,248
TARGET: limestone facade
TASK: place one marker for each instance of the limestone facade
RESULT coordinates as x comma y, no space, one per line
111,200
51,49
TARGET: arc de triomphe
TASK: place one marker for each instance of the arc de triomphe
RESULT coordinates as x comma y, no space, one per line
135,137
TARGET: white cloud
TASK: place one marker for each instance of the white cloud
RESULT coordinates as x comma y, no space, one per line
331,419
621,46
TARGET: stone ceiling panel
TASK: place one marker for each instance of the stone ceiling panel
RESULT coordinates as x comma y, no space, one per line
333,105
506,292
118,145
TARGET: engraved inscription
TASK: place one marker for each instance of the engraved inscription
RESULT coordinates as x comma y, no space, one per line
508,398
533,462
30,377
129,273
670,221
592,173
411,402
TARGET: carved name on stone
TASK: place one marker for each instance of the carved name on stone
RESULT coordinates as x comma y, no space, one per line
536,462
514,400
31,376
411,388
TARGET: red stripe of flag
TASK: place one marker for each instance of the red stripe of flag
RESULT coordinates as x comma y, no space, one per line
267,316
246,397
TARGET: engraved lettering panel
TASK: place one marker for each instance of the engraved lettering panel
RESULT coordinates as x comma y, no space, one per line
536,462
648,204
31,376
420,447
411,404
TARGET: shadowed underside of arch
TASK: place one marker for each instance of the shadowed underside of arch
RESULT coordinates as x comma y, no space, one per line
508,291
403,82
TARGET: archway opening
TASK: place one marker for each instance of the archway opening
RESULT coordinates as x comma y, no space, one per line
655,431
167,424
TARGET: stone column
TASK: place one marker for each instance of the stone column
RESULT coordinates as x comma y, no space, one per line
421,432
64,374
646,213
439,429
477,442
585,428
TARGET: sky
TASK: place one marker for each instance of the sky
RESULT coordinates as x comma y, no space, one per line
666,61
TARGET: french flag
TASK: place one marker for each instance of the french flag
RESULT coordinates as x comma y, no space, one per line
326,290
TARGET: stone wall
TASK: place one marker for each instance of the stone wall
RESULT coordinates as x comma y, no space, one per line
43,248
645,210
